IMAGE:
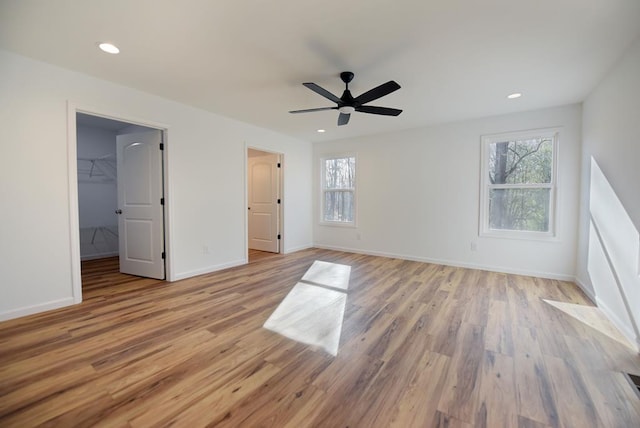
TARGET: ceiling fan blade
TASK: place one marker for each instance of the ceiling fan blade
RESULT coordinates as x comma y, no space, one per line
377,92
343,119
379,110
320,90
313,109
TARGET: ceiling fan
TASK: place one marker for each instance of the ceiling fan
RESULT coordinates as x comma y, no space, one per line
346,104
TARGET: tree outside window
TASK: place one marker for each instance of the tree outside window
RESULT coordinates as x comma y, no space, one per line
338,190
519,183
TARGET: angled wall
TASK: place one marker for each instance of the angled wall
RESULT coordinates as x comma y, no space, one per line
609,248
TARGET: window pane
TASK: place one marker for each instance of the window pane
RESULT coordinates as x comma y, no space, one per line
340,173
519,209
521,161
338,206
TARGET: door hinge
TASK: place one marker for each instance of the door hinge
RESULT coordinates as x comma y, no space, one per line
163,255
278,236
161,146
278,200
279,165
161,201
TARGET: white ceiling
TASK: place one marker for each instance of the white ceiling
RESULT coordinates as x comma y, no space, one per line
246,59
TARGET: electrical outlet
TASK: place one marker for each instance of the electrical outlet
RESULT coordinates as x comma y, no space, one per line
358,236
205,249
474,246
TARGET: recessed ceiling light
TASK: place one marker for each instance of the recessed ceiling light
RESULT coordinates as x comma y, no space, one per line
321,130
109,48
514,95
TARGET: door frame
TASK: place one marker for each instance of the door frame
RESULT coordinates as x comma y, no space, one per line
72,168
246,197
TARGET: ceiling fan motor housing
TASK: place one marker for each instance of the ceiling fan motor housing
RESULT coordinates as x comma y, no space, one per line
347,99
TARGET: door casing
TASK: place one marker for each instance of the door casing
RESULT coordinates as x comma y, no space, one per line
280,192
72,168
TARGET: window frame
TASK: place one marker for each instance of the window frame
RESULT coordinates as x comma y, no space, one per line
324,189
486,186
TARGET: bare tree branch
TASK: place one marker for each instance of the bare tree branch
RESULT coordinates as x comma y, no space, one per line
520,159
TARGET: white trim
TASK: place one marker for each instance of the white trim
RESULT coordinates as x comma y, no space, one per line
586,289
35,309
619,324
245,174
351,225
210,269
483,224
74,216
72,168
619,286
168,203
454,263
611,315
354,190
280,196
298,248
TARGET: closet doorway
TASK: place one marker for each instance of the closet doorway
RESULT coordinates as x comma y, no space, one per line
264,197
120,195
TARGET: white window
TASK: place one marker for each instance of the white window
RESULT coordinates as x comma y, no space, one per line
338,190
519,184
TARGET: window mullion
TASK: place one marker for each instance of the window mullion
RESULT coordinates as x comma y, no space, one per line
338,202
522,186
523,203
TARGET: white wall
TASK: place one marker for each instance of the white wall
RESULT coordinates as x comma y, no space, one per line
206,192
609,263
97,199
97,192
418,196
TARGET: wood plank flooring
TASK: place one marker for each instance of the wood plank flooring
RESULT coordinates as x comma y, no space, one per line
422,345
257,255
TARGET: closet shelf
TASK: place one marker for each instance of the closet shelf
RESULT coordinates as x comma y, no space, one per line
97,170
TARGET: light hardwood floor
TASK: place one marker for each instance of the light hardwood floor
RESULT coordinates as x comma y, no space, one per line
422,345
257,255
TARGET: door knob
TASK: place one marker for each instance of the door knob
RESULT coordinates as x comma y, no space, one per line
118,211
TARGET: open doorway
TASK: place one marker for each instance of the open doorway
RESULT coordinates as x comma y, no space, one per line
120,198
264,197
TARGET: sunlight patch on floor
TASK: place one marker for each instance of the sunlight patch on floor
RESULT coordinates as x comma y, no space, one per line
593,317
313,311
328,274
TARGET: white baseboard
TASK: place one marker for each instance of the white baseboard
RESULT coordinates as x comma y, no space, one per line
34,309
619,324
524,272
298,248
209,269
586,290
622,327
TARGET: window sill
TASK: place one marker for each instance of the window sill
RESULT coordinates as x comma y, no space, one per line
350,225
521,236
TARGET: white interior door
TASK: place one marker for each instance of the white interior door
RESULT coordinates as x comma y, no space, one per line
140,220
263,190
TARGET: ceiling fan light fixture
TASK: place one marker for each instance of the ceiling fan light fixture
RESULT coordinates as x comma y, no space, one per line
109,48
346,109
